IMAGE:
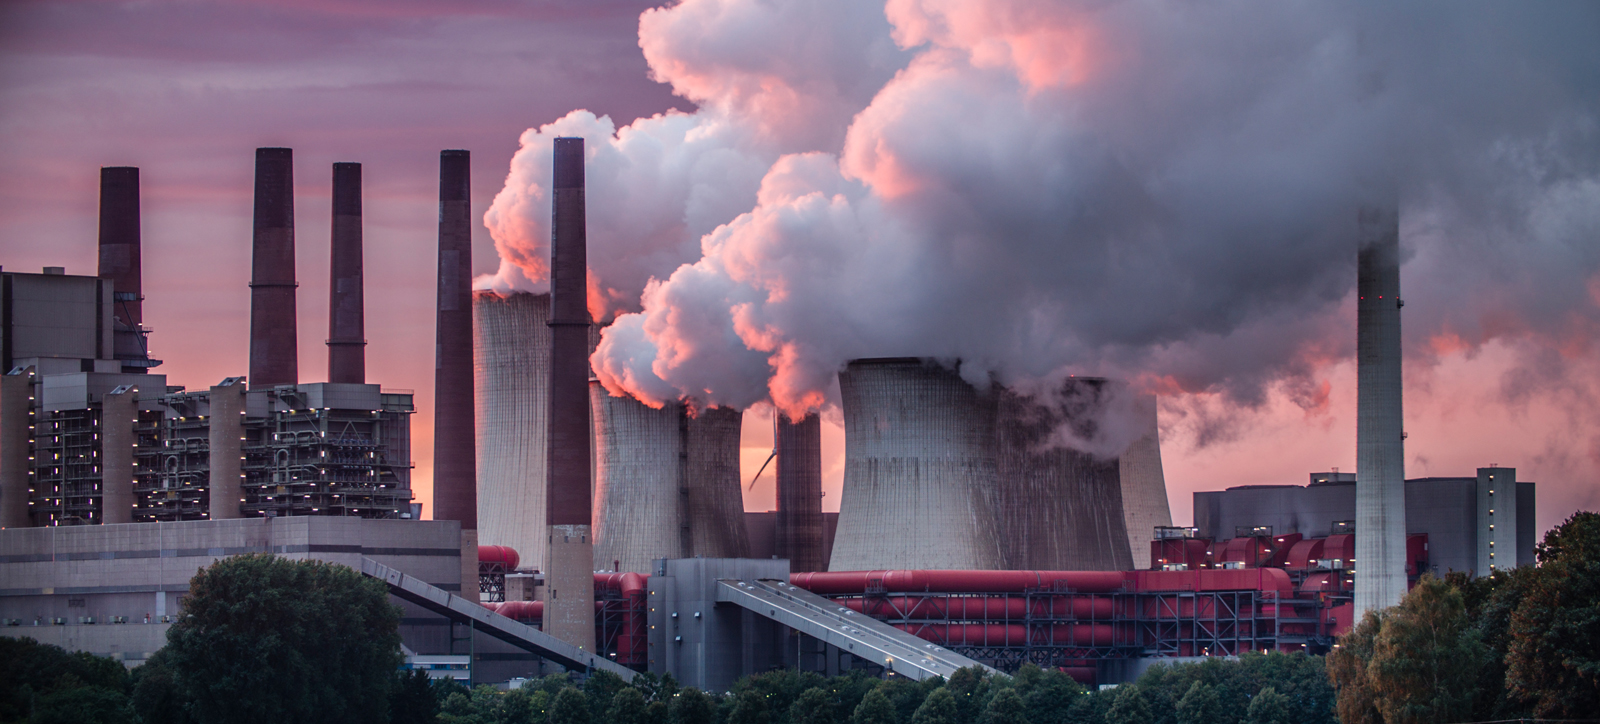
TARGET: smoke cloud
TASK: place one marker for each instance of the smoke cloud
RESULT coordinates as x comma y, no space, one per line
1160,191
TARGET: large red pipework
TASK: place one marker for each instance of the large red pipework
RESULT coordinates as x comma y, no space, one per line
1000,634
632,588
506,556
847,582
980,608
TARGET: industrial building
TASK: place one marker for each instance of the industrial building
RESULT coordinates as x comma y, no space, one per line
92,437
580,530
1466,520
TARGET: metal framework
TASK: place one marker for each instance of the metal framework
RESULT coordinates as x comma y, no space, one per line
1061,628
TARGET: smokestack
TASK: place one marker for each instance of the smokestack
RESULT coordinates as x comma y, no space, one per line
799,477
569,590
1380,447
118,408
455,463
347,357
119,262
274,356
227,448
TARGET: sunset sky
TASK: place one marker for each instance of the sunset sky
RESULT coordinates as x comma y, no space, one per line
1180,180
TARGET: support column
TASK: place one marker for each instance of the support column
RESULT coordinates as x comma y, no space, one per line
16,393
118,412
227,450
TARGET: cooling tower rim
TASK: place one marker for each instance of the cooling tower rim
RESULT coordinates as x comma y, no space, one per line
497,294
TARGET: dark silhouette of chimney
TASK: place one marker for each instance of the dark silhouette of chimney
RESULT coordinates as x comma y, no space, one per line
347,357
274,354
455,468
120,262
569,607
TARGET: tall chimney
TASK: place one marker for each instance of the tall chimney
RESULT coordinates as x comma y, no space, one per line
1380,448
569,589
455,462
799,475
274,356
347,357
120,262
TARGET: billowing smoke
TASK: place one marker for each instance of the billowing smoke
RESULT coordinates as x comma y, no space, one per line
1160,191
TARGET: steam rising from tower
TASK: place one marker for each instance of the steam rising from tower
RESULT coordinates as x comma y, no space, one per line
274,356
347,360
1380,449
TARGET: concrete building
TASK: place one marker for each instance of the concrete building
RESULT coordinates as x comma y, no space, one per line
1452,512
797,447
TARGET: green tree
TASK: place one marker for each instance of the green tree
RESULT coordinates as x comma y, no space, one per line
570,706
748,707
1269,707
814,706
1131,706
1005,707
1357,700
413,700
601,688
30,670
156,696
267,639
1199,705
83,705
970,687
875,708
907,695
627,707
1553,654
1426,657
691,706
1051,697
939,708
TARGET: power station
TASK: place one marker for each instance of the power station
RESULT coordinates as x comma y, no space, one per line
576,529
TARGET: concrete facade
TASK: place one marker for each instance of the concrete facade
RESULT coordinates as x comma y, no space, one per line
112,589
1497,519
705,644
1144,484
1446,509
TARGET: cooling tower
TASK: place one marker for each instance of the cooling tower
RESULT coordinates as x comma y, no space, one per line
347,357
274,356
569,568
920,479
118,408
1380,448
799,483
511,380
226,443
120,262
1063,509
666,483
1144,485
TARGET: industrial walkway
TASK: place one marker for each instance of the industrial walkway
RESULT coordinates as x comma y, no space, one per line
838,626
463,611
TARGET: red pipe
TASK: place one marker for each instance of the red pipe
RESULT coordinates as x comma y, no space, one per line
845,582
980,608
998,634
504,555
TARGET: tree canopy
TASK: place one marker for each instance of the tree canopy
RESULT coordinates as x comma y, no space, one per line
268,639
